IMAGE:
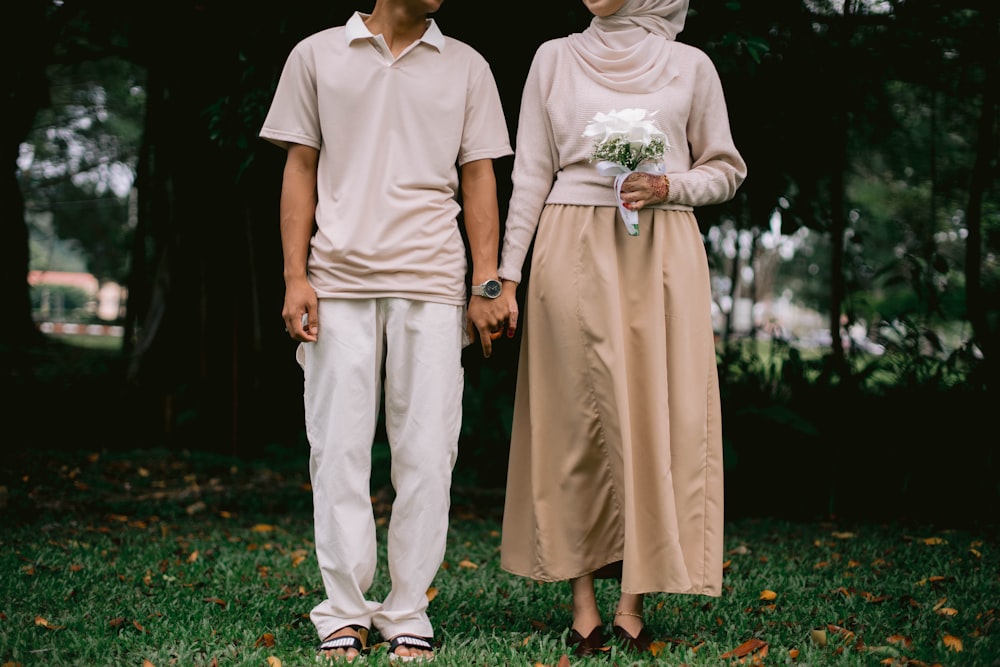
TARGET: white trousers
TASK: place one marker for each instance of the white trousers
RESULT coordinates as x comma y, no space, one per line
416,347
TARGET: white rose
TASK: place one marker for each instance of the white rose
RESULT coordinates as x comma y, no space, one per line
634,125
602,127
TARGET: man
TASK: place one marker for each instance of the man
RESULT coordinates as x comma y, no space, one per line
377,117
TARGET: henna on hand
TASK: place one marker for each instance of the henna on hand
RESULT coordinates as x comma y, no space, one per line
661,187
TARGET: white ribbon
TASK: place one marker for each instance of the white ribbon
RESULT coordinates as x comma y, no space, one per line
621,172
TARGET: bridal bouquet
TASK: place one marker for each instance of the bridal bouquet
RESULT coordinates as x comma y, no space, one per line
624,142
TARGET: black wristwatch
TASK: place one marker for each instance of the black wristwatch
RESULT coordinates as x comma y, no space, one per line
490,289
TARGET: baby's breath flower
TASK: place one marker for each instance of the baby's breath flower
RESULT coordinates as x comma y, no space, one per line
628,138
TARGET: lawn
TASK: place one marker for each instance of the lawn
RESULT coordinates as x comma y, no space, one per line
156,559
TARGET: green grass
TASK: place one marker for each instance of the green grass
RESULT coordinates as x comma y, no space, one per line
113,559
89,342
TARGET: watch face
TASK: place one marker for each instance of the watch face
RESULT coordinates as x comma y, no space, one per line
491,288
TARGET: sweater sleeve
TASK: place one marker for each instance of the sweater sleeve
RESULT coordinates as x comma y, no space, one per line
535,164
717,168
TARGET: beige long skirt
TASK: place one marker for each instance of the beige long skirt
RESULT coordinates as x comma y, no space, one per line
616,450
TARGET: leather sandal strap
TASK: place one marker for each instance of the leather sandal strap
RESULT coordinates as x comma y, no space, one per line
346,642
410,641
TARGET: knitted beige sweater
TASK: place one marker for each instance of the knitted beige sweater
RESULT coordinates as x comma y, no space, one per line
552,157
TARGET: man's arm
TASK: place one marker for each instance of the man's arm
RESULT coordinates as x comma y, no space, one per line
487,317
298,214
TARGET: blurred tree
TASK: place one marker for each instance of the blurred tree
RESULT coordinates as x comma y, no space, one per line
808,87
83,151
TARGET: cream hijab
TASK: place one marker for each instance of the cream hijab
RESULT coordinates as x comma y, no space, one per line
629,51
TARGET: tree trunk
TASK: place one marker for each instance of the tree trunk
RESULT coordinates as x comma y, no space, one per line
26,51
837,287
734,293
752,291
986,152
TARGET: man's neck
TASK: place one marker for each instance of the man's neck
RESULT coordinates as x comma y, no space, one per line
398,26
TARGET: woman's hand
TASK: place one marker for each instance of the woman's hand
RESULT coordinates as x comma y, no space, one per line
643,189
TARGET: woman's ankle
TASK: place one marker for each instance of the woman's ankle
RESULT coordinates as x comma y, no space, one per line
586,615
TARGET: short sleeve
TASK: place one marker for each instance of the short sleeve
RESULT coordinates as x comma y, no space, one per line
485,135
293,116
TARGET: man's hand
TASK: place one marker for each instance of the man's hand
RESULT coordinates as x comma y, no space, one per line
300,311
489,318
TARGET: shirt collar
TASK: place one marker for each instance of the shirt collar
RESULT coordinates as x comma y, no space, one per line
356,29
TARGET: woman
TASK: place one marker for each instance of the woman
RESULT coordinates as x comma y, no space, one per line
616,451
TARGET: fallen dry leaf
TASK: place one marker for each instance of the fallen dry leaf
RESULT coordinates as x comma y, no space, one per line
43,623
755,648
933,541
818,637
147,663
768,595
656,647
193,556
262,528
218,601
266,639
196,507
563,661
890,651
842,632
432,593
273,662
468,564
953,643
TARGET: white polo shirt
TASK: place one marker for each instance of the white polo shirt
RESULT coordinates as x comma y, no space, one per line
391,134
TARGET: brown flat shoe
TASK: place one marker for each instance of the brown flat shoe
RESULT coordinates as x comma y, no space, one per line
638,644
589,645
